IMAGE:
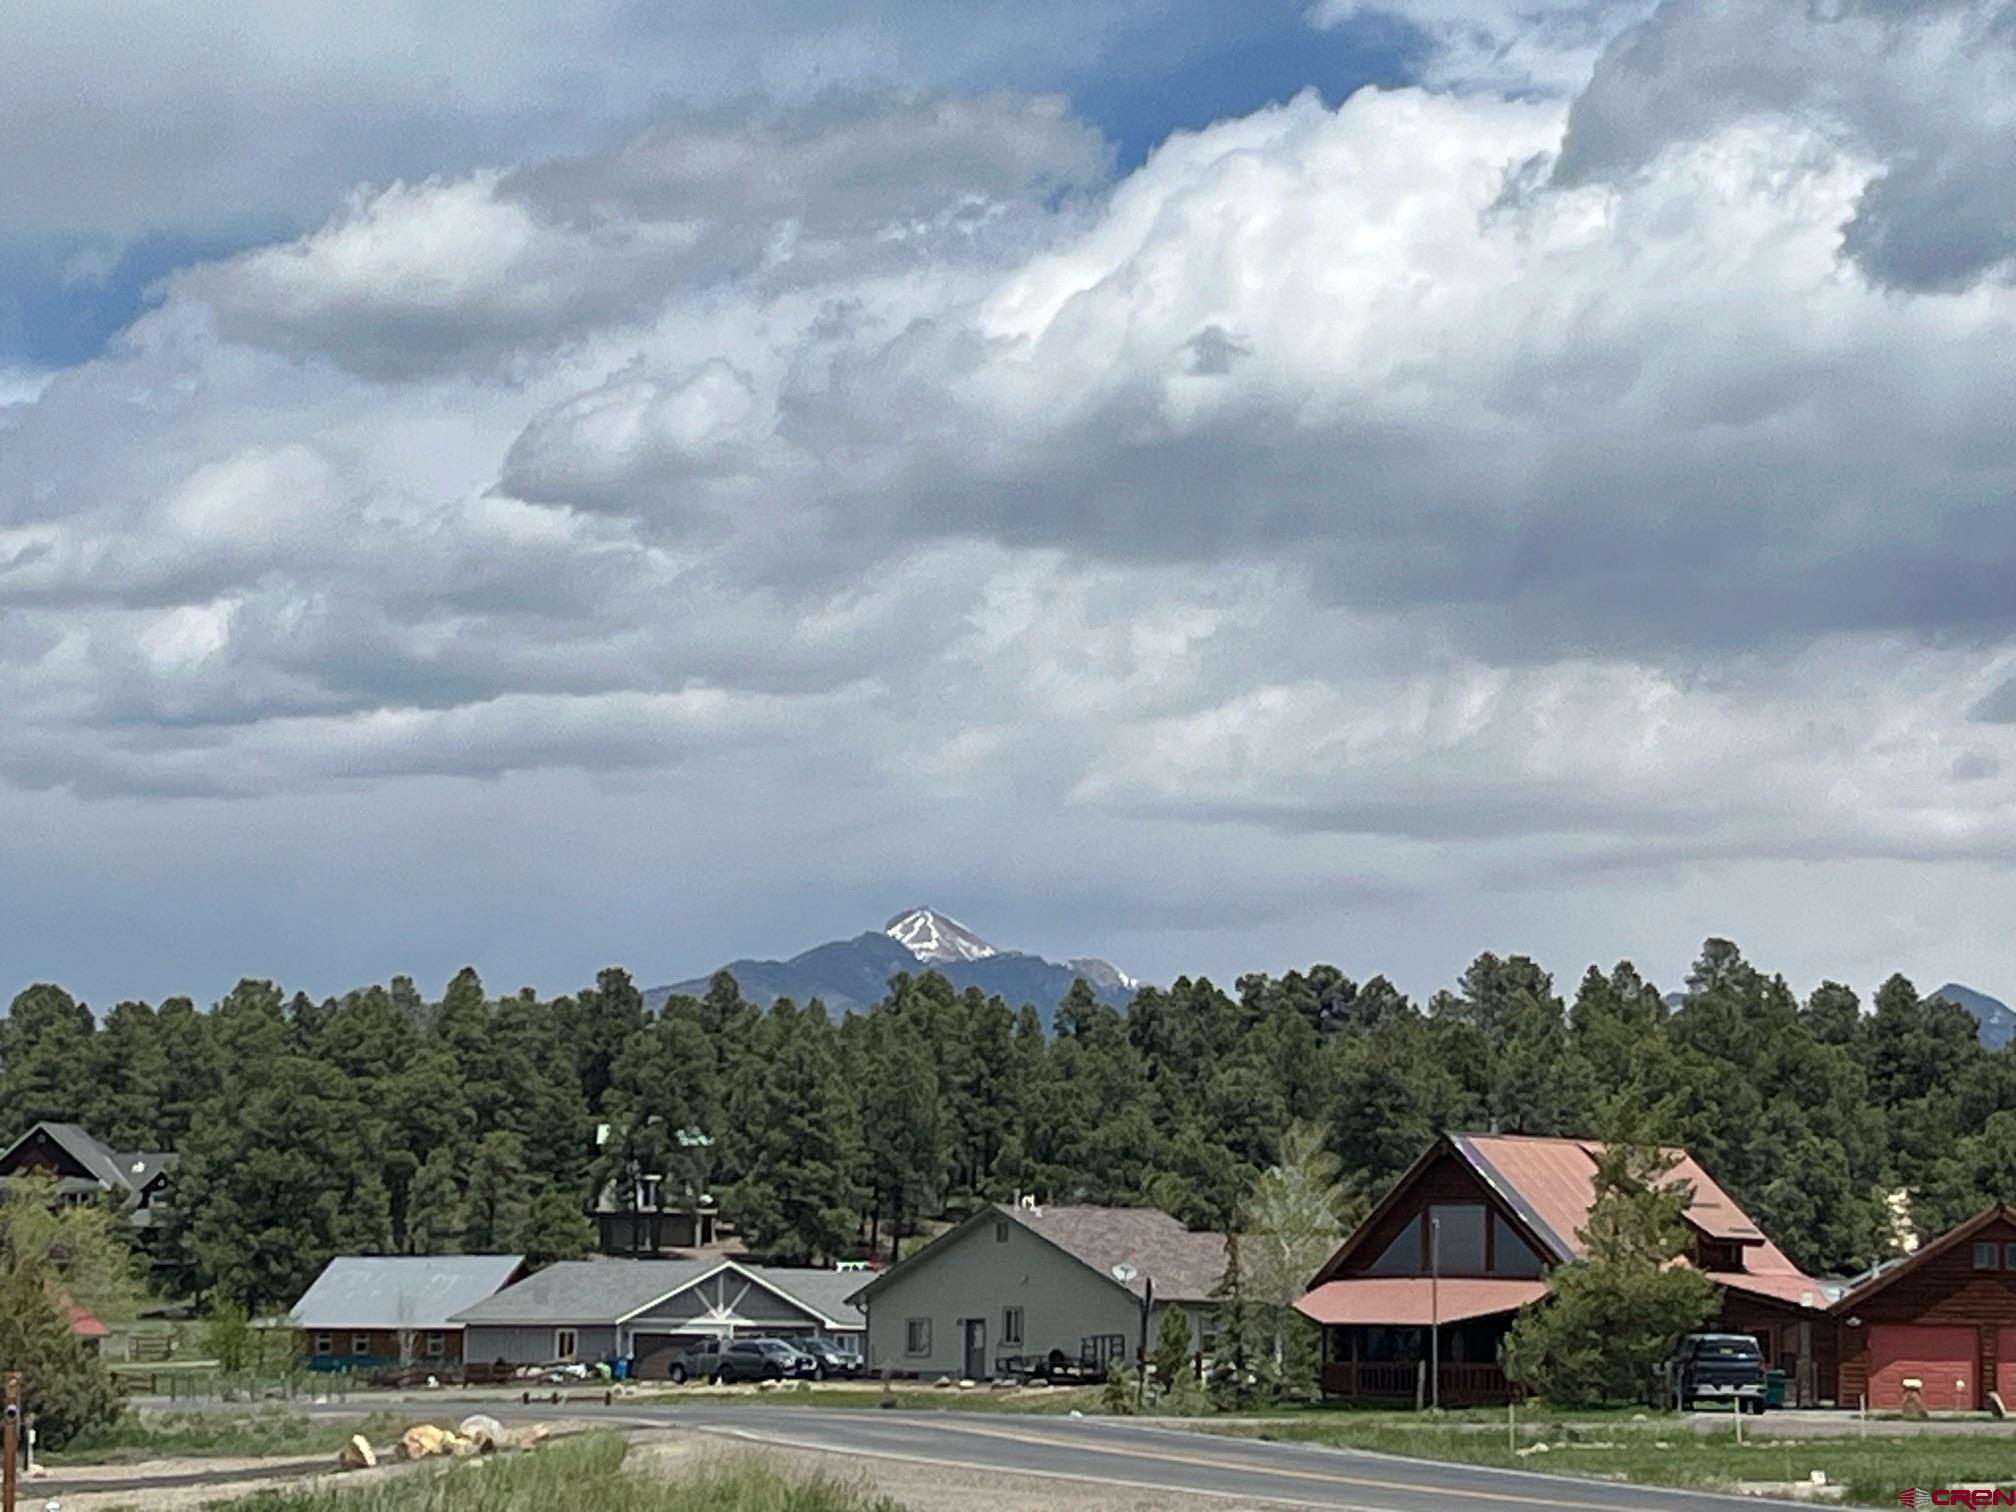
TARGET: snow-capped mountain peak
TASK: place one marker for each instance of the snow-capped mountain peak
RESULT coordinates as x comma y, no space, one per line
1103,974
930,936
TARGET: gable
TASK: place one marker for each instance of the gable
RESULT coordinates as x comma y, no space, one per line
1942,1280
1477,1232
988,1258
40,1150
730,1295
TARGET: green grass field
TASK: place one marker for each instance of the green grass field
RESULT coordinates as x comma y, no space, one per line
1663,1450
582,1473
141,1436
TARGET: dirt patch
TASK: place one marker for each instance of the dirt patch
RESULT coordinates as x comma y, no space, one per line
934,1488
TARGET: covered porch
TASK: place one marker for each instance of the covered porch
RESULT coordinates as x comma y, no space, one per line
1383,1335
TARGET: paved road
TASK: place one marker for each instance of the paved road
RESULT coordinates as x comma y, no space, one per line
1122,1453
1108,1450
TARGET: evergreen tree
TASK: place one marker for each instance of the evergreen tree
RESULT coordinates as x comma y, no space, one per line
436,1217
1612,1317
795,1199
46,1057
278,1176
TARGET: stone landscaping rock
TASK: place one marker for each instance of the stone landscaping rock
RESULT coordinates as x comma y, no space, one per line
356,1455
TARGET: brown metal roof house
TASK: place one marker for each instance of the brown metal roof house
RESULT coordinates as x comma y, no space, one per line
1505,1208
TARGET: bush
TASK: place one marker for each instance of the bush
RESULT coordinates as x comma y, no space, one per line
65,1387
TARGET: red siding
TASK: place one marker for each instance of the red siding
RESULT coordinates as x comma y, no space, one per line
1941,1357
1945,1291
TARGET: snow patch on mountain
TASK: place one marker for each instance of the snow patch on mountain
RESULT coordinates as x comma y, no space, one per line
931,936
1103,973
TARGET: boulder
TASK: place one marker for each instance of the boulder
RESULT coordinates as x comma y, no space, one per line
423,1441
485,1432
356,1455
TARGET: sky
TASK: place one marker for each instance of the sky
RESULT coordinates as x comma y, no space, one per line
1216,486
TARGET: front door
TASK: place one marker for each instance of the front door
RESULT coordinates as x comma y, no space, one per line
976,1349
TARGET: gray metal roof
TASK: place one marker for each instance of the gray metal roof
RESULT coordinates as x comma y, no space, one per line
400,1291
587,1291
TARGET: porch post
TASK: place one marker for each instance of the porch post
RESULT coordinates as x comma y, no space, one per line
1435,1312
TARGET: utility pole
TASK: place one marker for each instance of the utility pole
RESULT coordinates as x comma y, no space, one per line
1435,1312
10,1439
1141,1376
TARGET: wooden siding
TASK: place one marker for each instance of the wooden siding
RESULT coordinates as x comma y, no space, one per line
1448,1179
1944,1290
42,1153
1795,1340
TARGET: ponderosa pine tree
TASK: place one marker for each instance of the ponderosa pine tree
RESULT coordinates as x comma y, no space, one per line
1612,1317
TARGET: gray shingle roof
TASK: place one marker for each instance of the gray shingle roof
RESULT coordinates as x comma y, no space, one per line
825,1292
587,1291
1184,1266
109,1168
603,1291
400,1291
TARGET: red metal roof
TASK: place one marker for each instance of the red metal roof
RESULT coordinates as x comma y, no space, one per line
1405,1301
1549,1183
84,1325
1556,1179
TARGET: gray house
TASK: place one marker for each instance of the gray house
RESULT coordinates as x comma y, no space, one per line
647,1311
1039,1282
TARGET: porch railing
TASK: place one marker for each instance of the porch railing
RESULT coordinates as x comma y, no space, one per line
1462,1385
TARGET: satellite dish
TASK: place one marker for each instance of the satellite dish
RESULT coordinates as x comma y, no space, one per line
1123,1273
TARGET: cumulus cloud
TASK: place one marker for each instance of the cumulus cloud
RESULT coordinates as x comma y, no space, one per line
1924,88
1547,46
1407,475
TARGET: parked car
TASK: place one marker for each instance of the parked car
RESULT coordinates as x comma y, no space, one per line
725,1361
1717,1368
800,1362
830,1361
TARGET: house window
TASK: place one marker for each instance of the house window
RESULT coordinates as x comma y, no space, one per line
1011,1325
1721,1255
2009,1257
1457,1232
1987,1255
360,1344
565,1343
437,1344
1510,1255
917,1336
1001,1231
325,1344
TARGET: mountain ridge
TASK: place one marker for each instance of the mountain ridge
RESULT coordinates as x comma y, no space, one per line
1996,1018
851,975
